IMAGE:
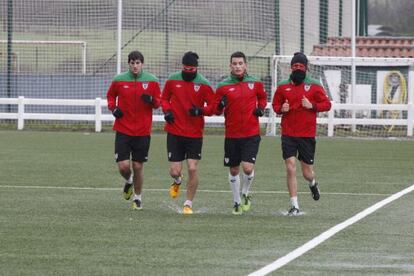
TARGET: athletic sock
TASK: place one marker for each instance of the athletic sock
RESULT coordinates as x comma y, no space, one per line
235,187
177,180
294,202
188,203
247,182
129,181
311,183
136,197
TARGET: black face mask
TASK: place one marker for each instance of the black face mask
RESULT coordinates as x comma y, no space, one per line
187,76
298,76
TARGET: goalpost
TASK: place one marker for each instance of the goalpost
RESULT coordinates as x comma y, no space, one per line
380,106
22,53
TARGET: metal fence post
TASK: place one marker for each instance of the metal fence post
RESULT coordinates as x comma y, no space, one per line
98,115
20,112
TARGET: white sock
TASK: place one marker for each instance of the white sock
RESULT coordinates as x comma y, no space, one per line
311,183
136,197
294,202
129,181
247,182
177,180
235,187
188,203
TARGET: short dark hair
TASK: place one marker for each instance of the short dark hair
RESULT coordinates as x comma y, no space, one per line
238,54
135,55
190,59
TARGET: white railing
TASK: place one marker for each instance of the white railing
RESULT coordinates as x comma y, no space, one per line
99,117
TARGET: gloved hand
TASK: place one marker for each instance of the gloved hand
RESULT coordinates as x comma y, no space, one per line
169,116
258,112
223,102
147,98
117,112
195,111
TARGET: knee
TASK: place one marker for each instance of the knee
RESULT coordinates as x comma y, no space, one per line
192,170
291,168
137,166
234,171
124,168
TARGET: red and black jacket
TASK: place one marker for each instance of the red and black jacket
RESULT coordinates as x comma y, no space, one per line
125,93
243,97
178,96
300,121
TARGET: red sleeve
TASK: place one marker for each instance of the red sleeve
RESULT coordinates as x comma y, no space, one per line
209,98
322,102
156,96
261,97
165,97
111,96
277,101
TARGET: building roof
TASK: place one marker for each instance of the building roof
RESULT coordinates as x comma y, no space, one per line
399,47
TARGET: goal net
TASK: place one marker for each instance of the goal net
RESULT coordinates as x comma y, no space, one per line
376,106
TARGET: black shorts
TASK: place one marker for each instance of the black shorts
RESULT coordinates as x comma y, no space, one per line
180,148
237,150
135,146
301,147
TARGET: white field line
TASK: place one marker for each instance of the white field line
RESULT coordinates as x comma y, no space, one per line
165,190
327,234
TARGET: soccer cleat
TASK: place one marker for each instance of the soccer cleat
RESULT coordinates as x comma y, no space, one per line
237,209
175,188
187,210
127,190
136,204
246,202
293,212
315,191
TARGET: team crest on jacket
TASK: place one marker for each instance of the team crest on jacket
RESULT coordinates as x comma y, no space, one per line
307,87
251,85
145,85
196,87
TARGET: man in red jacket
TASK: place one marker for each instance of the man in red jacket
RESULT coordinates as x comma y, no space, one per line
131,97
298,99
186,98
243,100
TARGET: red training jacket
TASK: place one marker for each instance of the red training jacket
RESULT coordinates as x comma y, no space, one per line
299,121
127,89
243,97
179,96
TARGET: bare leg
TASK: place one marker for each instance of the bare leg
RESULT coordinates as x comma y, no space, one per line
138,179
192,182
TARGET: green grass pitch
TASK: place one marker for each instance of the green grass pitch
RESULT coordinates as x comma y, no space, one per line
62,211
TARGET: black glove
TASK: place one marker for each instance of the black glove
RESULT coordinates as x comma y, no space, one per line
258,112
195,111
169,116
146,98
223,102
117,112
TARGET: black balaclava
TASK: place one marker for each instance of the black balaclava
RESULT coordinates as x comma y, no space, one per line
297,76
189,59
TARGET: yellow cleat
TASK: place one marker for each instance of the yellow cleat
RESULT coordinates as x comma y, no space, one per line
136,204
246,202
175,188
127,191
187,210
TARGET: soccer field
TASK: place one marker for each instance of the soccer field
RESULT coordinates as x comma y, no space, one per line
62,211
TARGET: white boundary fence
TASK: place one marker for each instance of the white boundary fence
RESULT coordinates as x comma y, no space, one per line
99,117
